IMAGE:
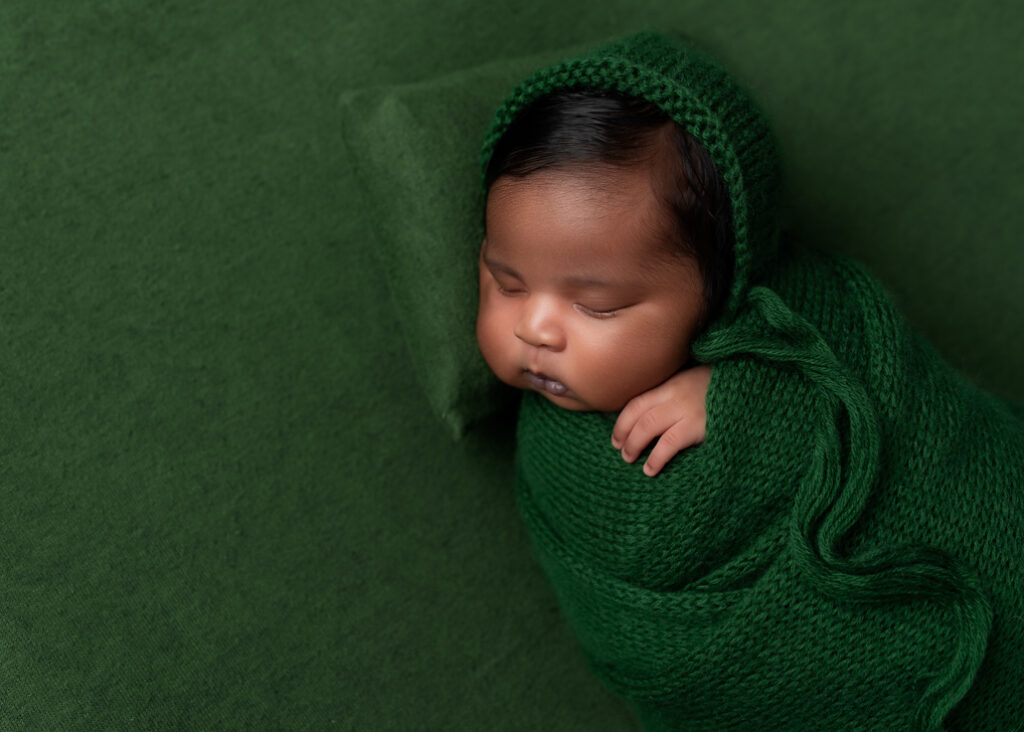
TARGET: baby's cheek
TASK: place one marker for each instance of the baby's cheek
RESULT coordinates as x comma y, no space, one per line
484,331
638,363
492,338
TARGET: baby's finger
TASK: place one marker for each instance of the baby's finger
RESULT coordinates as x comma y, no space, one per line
679,437
651,423
628,418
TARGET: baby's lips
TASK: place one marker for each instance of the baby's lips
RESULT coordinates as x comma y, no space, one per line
543,382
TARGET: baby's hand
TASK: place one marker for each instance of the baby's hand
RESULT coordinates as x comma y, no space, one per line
675,410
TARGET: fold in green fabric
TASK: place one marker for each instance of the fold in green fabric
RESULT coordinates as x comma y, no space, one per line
843,552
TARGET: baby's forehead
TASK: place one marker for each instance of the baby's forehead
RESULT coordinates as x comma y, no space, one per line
587,196
600,190
605,222
591,181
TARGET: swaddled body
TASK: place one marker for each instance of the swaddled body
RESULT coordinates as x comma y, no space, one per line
843,550
698,594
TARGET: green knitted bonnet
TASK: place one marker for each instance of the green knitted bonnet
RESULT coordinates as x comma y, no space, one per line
699,94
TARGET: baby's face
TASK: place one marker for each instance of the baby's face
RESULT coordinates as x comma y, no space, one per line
579,299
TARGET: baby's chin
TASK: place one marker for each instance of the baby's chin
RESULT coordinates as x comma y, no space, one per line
565,401
569,400
576,403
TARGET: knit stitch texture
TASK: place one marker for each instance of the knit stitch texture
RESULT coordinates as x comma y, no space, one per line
844,550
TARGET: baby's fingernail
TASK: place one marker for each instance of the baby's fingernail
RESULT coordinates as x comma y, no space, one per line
615,442
625,456
649,469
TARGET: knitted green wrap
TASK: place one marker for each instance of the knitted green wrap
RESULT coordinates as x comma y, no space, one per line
844,551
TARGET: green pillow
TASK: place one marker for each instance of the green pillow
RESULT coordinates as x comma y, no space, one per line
416,151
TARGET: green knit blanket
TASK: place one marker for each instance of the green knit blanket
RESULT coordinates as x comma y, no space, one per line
845,550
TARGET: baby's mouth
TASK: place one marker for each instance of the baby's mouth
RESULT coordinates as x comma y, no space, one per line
542,382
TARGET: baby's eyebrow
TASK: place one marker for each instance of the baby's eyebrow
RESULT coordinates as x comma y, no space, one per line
493,264
579,282
576,282
584,283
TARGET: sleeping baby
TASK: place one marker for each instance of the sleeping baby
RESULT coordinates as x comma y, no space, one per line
825,529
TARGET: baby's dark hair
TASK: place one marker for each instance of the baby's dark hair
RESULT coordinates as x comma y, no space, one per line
570,130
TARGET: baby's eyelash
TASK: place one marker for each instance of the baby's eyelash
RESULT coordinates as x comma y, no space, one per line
600,314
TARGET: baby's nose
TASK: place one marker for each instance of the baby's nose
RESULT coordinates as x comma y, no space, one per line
539,325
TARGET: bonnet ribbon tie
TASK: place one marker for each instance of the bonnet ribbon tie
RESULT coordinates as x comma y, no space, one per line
835,490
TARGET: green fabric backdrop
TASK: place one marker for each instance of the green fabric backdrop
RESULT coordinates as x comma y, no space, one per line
226,501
